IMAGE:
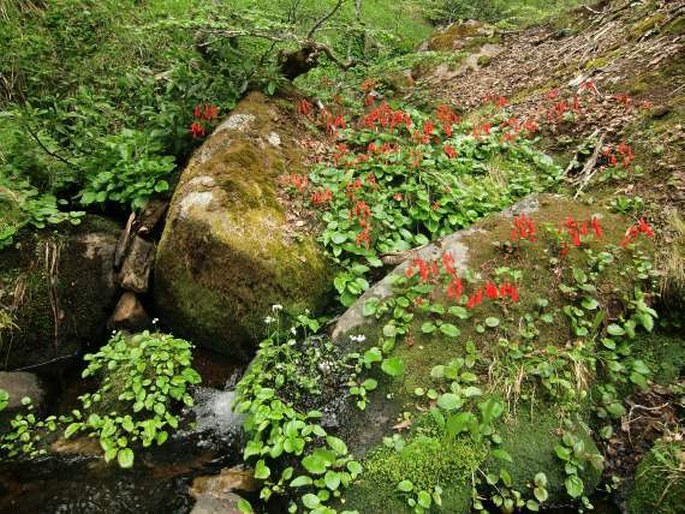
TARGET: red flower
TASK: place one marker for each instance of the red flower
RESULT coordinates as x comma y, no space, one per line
450,152
448,264
596,226
491,291
197,130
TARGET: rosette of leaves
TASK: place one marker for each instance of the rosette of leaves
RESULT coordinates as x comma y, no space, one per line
144,379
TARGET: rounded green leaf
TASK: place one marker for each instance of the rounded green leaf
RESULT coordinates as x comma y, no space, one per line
394,366
125,458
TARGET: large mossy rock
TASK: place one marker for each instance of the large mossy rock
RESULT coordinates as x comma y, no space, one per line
56,293
228,251
532,423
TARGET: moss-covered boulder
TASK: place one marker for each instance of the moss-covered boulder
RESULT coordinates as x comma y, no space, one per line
229,250
659,485
510,360
56,292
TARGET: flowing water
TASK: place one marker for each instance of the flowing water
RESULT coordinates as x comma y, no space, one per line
77,481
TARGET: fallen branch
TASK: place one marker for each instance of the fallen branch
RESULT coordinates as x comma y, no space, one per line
589,169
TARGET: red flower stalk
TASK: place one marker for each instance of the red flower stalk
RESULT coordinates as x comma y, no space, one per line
450,152
322,197
455,288
524,228
596,227
197,130
491,291
448,264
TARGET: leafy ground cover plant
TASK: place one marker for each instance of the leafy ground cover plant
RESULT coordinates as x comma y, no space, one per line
144,378
400,178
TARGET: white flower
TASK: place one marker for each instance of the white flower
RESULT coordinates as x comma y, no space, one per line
269,320
358,338
155,321
275,308
293,331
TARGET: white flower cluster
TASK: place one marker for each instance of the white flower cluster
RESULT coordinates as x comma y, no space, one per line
358,338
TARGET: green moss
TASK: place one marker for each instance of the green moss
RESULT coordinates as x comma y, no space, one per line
426,461
219,269
645,25
598,62
664,354
659,481
530,439
60,291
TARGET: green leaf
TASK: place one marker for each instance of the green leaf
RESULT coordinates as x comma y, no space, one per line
424,499
449,330
301,481
389,330
589,304
458,423
540,480
311,501
450,401
370,306
405,486
245,507
394,366
574,486
337,445
332,480
318,462
125,458
492,321
500,454
540,494
428,327
615,330
261,471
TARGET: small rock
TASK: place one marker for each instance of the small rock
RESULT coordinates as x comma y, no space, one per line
212,505
19,384
236,478
135,271
129,313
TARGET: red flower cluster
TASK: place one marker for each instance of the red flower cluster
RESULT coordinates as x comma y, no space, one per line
334,123
625,153
642,227
492,292
203,113
450,152
385,117
321,197
524,228
576,230
448,118
300,182
482,129
430,272
495,99
362,212
623,99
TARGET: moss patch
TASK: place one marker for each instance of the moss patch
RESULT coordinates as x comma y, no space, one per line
659,481
59,291
228,251
426,461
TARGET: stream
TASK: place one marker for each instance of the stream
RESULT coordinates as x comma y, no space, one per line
75,480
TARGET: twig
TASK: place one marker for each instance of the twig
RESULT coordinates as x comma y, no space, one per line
324,19
588,170
46,150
